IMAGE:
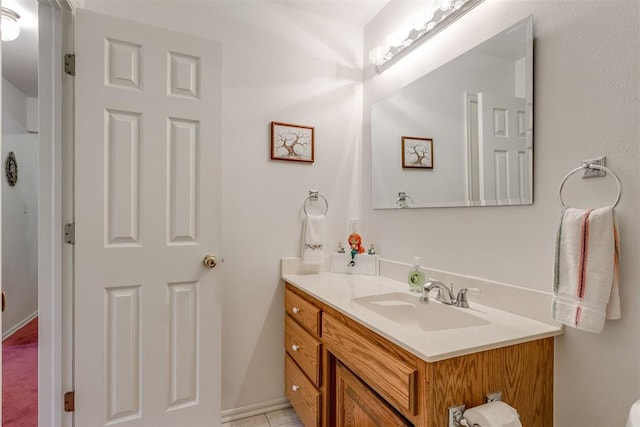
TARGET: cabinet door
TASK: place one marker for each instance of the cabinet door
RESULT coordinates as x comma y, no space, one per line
358,406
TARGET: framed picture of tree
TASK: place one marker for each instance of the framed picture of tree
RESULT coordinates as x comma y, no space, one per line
417,152
292,142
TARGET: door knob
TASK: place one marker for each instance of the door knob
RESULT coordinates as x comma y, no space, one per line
209,261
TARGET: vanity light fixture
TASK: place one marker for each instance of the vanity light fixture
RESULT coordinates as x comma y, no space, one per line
9,25
425,26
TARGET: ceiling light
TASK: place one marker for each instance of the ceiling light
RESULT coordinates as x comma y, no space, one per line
9,25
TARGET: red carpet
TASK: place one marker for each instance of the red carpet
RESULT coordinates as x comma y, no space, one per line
20,377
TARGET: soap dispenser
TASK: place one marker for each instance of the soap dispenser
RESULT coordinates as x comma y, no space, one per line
415,277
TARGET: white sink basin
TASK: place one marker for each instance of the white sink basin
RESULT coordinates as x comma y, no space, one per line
407,310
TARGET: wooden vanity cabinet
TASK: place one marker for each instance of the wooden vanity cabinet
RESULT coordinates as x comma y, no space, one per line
366,380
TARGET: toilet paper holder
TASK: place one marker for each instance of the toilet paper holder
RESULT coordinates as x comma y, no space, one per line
456,413
456,417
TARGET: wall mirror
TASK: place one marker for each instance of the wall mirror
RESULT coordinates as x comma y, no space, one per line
461,135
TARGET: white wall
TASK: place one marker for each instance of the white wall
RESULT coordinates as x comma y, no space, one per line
586,101
19,212
14,118
279,64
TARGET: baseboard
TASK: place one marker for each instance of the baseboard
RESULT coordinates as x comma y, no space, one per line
253,410
15,328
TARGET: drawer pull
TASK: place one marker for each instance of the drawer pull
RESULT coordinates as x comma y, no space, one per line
295,347
295,310
295,387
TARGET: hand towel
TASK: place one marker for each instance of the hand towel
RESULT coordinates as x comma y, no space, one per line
586,272
313,240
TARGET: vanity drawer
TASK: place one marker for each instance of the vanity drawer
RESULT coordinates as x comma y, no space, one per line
303,348
389,376
305,313
303,395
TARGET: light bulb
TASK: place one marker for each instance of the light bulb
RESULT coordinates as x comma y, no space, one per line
446,4
421,20
9,26
395,39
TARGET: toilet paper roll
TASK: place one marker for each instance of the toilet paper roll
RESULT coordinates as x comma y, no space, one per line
494,414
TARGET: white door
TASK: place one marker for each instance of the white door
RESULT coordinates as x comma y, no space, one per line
2,294
505,156
147,210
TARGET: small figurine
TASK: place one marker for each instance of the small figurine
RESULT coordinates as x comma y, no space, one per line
372,250
355,243
340,248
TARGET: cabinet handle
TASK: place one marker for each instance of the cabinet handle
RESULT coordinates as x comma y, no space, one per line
295,347
295,388
295,310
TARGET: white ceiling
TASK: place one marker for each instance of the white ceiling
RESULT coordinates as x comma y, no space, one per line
357,12
20,57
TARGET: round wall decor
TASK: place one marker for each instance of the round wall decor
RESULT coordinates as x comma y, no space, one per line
11,169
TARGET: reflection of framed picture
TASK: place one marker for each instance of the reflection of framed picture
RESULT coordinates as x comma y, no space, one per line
417,152
292,142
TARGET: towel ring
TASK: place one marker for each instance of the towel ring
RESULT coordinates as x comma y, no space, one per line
313,197
591,166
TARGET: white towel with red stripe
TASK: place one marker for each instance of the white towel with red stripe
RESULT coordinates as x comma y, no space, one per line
586,273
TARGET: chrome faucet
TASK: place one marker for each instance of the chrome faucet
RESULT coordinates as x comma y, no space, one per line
445,294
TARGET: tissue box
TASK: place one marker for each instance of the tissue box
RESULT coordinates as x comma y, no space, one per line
365,264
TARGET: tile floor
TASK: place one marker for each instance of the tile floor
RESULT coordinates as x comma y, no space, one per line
281,418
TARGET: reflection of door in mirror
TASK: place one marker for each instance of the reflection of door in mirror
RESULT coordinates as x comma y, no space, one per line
504,155
473,163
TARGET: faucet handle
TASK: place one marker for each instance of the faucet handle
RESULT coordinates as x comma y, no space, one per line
461,299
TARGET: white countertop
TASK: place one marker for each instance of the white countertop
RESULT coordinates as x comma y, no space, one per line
503,328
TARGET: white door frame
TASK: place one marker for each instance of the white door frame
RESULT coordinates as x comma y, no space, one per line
55,95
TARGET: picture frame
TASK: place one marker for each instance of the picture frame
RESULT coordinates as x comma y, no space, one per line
417,152
292,142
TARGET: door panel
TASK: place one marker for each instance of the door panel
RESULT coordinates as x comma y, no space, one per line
147,174
505,158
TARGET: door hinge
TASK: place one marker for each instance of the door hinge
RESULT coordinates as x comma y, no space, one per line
70,401
70,64
70,233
